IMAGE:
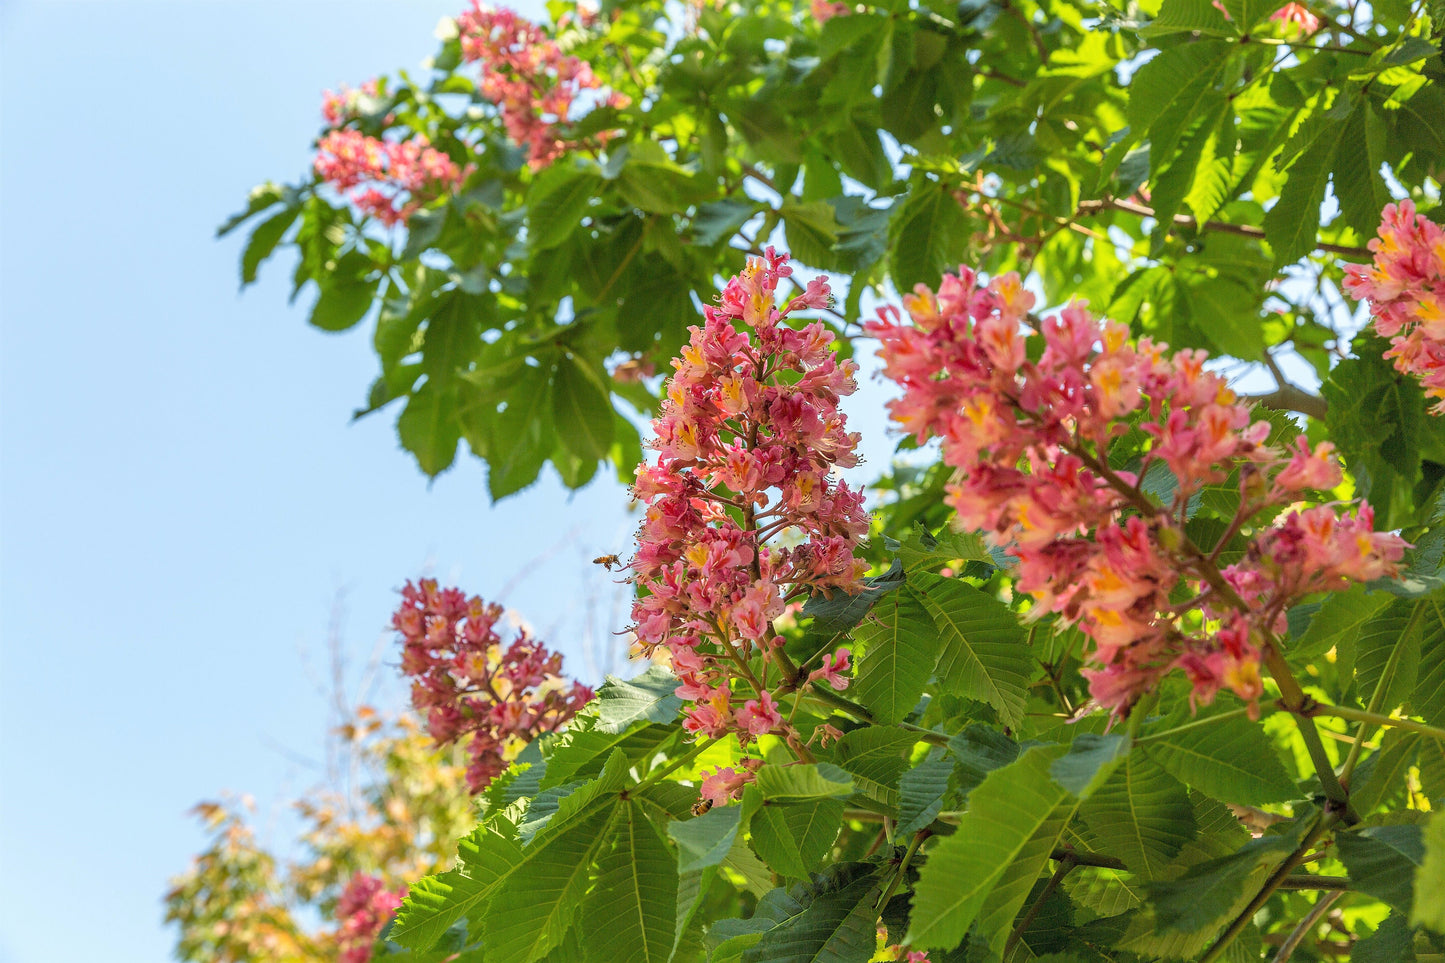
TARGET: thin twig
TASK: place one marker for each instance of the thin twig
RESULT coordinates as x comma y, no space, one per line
1311,920
1184,220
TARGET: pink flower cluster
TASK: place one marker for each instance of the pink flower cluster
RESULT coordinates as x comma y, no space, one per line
527,76
363,908
825,10
338,107
1028,426
747,438
1296,15
1406,290
468,682
388,180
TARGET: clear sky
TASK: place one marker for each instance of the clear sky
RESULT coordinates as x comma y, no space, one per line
181,495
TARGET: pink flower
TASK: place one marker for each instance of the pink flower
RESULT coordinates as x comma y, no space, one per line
533,84
1406,290
725,785
824,10
362,909
468,684
832,670
1297,15
387,180
1030,442
760,716
747,440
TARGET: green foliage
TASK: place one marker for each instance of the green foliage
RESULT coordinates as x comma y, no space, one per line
1169,161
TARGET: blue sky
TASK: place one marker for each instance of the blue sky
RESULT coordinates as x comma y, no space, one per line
181,494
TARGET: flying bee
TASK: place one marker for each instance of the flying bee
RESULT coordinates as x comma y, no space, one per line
607,561
701,807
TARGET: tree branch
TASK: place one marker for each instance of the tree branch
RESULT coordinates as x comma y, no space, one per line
1184,220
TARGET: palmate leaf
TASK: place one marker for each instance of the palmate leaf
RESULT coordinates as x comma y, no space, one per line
901,647
1165,92
1141,815
926,234
1338,621
984,654
1231,760
631,911
1391,943
1010,816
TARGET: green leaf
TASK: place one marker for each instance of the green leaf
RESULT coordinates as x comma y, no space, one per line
1387,655
1165,93
901,647
793,838
1189,16
720,220
1015,806
1429,906
581,751
921,792
927,236
811,230
1141,815
979,751
263,241
1338,621
984,654
1428,699
1391,943
648,697
1381,780
1207,894
631,910
877,757
803,782
837,923
343,302
534,905
1090,761
705,840
1292,225
1246,13
523,436
922,552
558,199
1382,862
842,611
433,904
582,407
429,429
1231,760
261,197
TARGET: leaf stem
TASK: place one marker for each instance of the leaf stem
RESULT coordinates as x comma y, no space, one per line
1357,715
1310,921
1066,863
1207,720
897,879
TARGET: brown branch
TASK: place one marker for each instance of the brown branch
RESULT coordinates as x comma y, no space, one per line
1184,220
1310,921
